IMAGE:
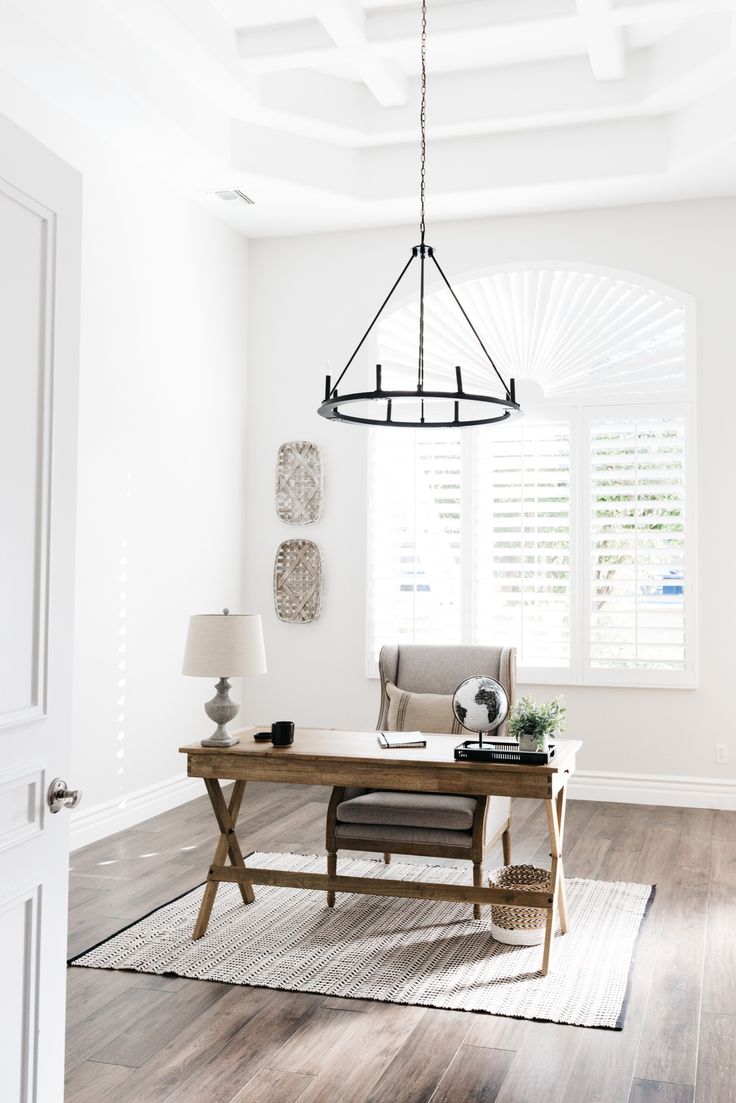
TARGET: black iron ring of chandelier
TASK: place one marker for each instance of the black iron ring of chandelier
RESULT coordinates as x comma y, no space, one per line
468,408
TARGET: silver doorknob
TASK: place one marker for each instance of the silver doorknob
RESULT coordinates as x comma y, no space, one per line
60,797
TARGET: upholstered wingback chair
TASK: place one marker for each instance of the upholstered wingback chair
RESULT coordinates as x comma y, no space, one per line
431,824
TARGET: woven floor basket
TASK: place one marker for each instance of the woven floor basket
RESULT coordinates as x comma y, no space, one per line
519,926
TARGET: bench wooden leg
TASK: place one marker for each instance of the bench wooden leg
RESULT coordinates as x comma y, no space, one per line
331,871
478,884
506,844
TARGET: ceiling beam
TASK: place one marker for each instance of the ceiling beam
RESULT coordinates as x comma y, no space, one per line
604,40
344,21
645,11
634,148
497,32
525,97
394,33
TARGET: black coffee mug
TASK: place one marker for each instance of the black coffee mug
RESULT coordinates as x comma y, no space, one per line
282,733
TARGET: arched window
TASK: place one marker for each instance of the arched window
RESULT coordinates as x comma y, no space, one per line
568,532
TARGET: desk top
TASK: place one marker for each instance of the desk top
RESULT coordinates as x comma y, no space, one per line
329,753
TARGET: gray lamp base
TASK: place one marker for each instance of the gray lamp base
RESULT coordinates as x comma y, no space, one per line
222,710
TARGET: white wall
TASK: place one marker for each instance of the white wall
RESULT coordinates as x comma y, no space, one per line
164,299
312,297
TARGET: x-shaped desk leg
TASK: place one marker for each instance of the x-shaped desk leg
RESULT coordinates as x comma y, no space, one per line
556,823
227,817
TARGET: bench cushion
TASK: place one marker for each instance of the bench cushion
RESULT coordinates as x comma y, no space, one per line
427,810
394,836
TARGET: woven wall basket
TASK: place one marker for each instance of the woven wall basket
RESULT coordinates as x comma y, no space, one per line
297,581
299,482
519,926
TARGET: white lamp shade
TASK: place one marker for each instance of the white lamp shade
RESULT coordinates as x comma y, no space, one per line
225,646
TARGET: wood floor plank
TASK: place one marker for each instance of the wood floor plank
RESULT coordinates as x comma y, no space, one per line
151,890
85,994
93,927
87,1032
301,832
669,1043
624,847
542,1066
416,1070
91,1082
253,1048
578,817
159,1023
353,1067
719,973
658,1091
497,1032
716,1075
586,856
476,1073
199,1043
274,1086
310,1046
341,1003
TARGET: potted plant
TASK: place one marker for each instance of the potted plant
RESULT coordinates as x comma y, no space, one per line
532,724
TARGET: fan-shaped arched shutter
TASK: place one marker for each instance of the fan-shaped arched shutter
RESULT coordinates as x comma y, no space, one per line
579,335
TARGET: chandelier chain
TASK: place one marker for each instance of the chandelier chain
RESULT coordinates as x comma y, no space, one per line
423,121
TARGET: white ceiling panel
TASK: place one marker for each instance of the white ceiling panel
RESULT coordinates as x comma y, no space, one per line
311,106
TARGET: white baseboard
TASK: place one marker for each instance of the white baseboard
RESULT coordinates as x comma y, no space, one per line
90,824
666,789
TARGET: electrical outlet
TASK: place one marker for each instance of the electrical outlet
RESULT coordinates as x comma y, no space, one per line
721,754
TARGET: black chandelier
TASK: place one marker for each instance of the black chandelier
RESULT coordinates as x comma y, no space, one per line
396,406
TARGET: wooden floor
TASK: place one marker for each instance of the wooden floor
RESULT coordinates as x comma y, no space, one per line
143,1038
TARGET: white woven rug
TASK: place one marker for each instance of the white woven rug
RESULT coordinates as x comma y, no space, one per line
401,951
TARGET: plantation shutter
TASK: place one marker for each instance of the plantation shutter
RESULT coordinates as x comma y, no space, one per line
522,540
414,538
638,574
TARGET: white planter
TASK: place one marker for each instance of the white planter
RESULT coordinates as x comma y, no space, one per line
527,743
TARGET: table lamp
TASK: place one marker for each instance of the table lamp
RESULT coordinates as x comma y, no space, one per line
223,645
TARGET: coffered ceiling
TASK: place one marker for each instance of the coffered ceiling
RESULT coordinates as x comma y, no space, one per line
311,106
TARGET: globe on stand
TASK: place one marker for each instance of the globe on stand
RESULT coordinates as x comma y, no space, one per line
480,704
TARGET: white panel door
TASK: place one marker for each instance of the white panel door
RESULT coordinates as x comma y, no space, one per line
40,234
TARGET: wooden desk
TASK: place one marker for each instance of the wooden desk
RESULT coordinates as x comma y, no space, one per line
329,757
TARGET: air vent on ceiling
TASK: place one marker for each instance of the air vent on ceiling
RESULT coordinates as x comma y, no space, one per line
234,194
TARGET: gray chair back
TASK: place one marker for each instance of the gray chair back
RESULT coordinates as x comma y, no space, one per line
424,668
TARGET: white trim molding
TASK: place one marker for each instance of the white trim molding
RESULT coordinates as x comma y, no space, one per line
90,824
668,790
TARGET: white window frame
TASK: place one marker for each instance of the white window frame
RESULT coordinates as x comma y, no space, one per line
581,413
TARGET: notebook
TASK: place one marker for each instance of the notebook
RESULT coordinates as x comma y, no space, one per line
399,740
